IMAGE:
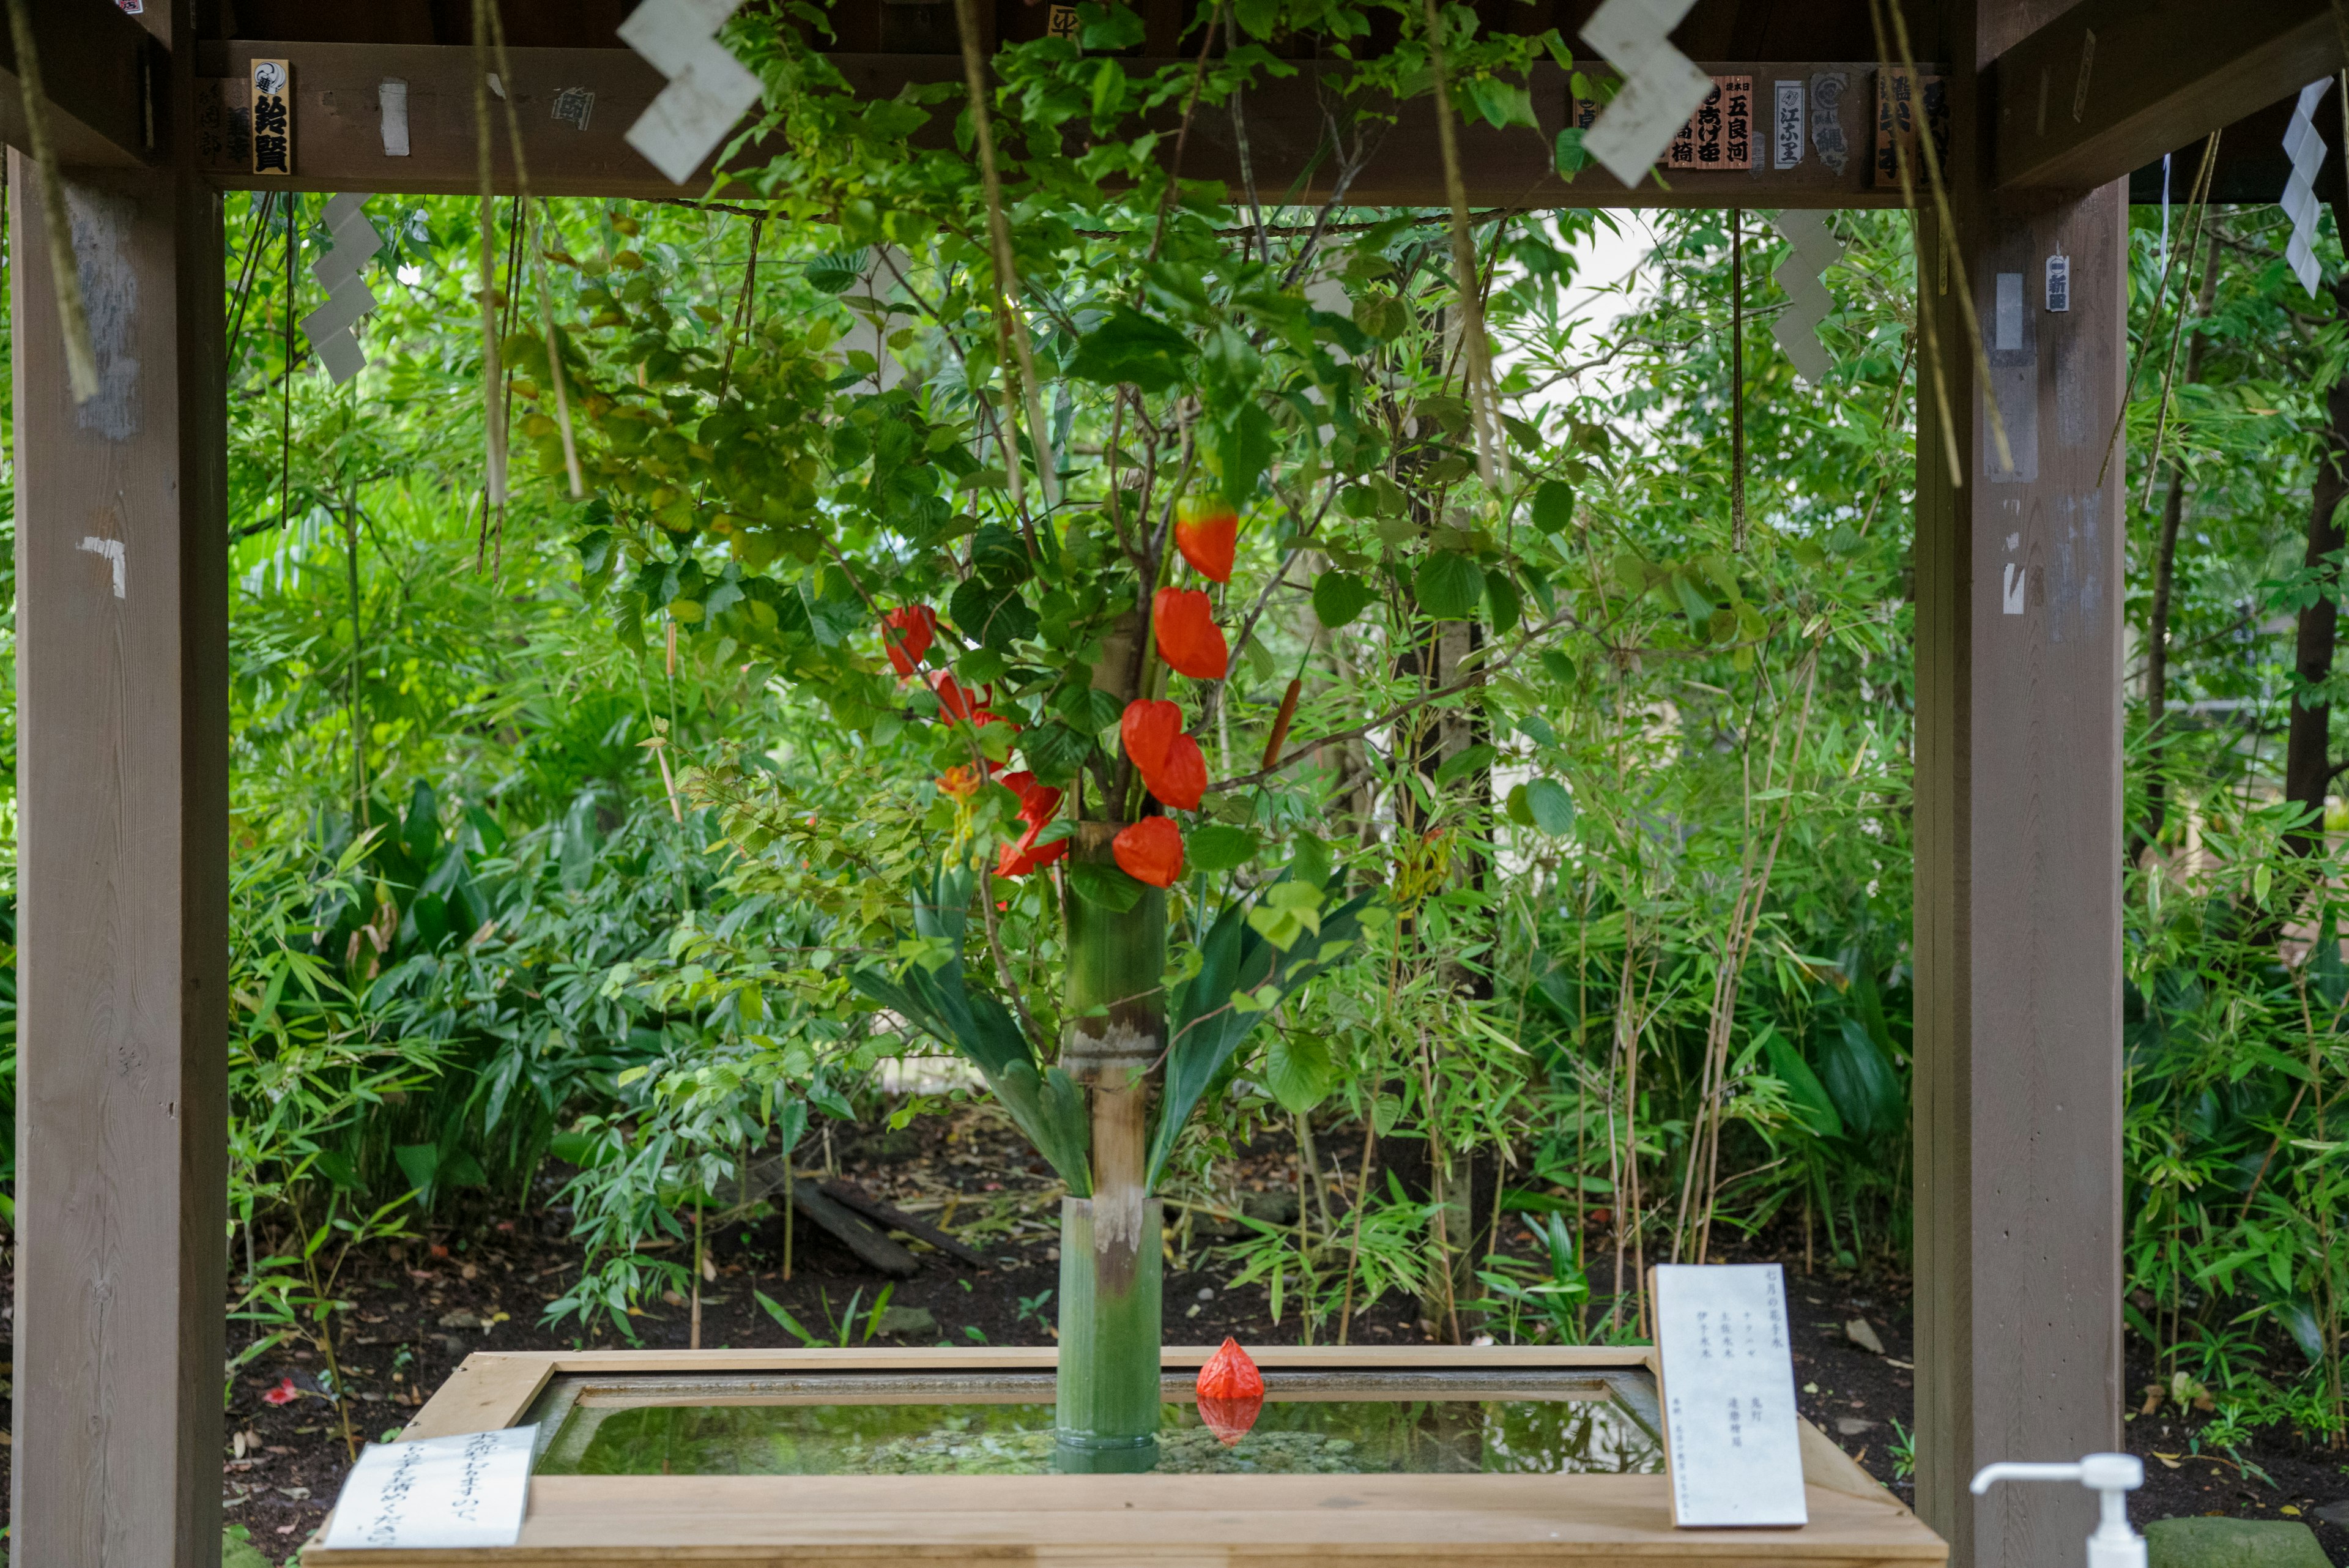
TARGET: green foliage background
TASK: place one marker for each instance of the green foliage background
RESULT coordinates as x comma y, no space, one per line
558,832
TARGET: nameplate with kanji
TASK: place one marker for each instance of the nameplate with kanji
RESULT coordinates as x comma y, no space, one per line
1732,1446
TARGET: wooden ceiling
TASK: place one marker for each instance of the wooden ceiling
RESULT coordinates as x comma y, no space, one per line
1715,29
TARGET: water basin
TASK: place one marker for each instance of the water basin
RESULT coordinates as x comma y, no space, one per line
1000,1423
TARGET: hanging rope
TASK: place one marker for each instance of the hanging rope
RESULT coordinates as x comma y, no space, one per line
65,276
1953,259
292,207
537,256
1737,379
742,323
493,426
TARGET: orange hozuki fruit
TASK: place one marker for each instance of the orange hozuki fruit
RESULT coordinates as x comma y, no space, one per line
907,635
1150,851
1231,1393
1189,641
1171,766
1207,533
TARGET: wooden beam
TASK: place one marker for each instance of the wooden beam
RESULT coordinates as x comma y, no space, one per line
340,146
99,69
122,785
2018,802
2111,85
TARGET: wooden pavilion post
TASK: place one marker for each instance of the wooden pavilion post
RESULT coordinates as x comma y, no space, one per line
2018,800
122,690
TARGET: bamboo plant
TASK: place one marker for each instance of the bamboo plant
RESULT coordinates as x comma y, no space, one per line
1053,598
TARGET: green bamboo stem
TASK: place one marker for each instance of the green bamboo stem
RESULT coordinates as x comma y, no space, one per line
1107,1384
1110,1244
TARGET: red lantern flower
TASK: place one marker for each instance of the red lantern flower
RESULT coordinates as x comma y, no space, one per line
1208,532
1150,851
1189,641
907,635
1231,1393
1173,767
283,1394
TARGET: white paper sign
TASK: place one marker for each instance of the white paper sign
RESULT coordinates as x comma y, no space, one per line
466,1491
1730,1437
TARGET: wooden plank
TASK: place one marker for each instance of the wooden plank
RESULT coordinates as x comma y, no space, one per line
122,785
338,130
1589,1520
1388,1519
2017,942
2112,84
896,1219
488,1391
1035,1358
98,67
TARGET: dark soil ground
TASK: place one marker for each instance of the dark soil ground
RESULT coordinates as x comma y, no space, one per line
483,1281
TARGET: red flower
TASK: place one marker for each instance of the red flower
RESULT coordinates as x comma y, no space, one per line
1208,532
907,635
1231,1393
1150,851
1171,766
1189,641
283,1394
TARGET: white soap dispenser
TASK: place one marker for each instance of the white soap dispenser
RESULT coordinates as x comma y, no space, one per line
2111,1477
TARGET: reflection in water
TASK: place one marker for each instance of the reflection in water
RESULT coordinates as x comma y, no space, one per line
1527,1435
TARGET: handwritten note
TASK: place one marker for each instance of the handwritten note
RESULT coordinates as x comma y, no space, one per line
1728,1393
466,1491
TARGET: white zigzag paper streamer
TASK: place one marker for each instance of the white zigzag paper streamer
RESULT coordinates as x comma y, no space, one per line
1662,86
708,87
329,327
2305,148
1812,249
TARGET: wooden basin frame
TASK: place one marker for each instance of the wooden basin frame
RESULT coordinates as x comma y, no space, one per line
1161,1522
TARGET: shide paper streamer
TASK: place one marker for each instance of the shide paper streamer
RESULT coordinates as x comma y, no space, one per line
329,327
1662,86
2305,148
708,87
1812,249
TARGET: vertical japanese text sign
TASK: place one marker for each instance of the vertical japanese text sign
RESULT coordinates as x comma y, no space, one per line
1720,134
273,117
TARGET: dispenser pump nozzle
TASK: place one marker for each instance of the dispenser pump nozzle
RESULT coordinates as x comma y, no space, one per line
2111,1477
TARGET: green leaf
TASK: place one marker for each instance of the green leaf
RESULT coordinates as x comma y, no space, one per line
1215,846
1448,586
1106,885
1132,347
1340,597
1693,604
1810,1097
1516,808
1054,753
1501,599
1299,1071
1553,506
1463,763
1239,448
1381,316
1571,159
1860,1079
1549,806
